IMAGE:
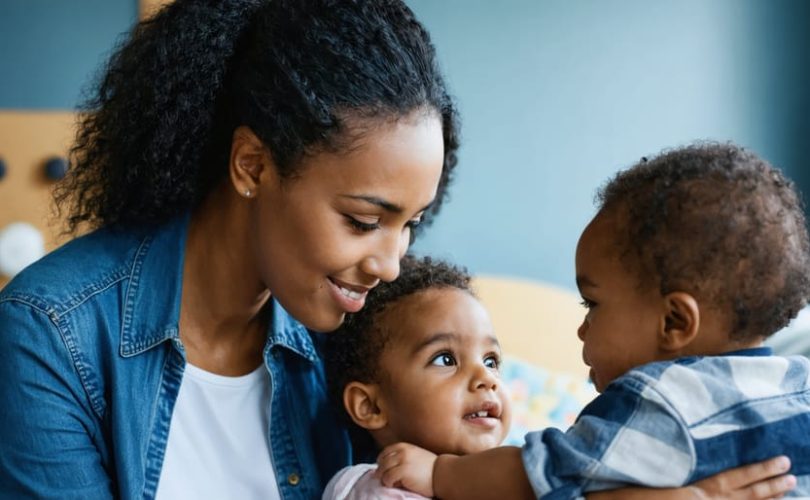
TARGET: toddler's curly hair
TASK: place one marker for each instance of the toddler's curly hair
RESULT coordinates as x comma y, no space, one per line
716,221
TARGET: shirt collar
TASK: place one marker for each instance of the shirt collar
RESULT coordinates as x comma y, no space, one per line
152,298
751,351
285,331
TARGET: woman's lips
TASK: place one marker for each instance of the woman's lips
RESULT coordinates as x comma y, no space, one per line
350,298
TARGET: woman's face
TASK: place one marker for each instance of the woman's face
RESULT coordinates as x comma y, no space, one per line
328,235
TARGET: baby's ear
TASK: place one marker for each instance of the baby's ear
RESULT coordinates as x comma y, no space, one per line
680,323
361,403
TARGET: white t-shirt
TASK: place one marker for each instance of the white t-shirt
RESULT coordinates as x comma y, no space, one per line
218,439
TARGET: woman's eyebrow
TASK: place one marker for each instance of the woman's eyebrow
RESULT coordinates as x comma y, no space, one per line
375,200
385,204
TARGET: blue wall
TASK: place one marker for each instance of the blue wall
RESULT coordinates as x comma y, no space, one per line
50,49
558,95
555,97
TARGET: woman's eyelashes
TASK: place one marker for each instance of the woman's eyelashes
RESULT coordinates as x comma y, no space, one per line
365,227
362,226
414,223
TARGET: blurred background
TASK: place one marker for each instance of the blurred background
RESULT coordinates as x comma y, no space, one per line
555,97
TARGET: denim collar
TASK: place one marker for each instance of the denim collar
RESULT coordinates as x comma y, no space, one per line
151,312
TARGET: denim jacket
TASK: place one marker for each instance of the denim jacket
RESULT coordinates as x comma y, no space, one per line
91,364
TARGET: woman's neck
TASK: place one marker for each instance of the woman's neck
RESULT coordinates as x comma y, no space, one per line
222,324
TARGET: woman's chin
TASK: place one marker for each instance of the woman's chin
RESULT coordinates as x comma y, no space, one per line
324,324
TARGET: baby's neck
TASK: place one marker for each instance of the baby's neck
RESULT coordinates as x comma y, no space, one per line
722,346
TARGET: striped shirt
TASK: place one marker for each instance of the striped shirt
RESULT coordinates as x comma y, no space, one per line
671,423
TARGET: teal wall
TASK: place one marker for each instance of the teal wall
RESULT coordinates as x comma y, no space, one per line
49,49
555,97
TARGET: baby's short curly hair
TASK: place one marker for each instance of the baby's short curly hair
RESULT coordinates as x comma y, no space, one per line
720,223
354,350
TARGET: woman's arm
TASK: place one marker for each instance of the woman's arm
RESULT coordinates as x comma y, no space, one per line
762,480
46,450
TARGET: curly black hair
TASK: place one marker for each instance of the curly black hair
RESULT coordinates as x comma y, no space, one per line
717,221
353,351
154,138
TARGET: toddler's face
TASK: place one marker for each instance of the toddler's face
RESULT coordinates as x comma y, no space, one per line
622,323
441,389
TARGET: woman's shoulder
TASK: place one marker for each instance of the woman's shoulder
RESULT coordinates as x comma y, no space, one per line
89,262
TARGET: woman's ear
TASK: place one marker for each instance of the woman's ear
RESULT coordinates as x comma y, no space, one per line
681,322
362,404
249,160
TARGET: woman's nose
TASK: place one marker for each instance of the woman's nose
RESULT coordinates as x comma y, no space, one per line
383,260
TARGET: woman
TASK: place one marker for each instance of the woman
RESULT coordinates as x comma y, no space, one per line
252,169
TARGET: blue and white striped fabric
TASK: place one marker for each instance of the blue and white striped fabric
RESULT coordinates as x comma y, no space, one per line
671,423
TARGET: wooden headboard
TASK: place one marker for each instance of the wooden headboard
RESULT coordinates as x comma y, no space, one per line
535,321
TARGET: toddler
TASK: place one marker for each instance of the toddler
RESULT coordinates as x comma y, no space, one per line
420,364
693,258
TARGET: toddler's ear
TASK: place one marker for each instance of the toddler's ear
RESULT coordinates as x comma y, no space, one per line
361,403
681,322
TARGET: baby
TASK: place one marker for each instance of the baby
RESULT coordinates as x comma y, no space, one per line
693,258
420,364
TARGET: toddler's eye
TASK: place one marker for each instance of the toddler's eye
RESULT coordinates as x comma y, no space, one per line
492,362
443,359
587,304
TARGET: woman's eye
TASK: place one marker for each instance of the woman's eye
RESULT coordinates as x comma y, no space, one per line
492,362
414,223
362,226
443,359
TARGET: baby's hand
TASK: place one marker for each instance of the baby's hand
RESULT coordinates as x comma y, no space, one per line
404,465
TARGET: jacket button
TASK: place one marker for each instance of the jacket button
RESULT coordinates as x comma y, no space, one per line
293,479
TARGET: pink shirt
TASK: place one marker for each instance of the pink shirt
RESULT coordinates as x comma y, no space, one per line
357,482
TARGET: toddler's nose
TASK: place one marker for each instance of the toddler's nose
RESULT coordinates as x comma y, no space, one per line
484,378
582,329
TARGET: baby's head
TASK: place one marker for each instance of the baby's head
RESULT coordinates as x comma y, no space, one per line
698,251
420,364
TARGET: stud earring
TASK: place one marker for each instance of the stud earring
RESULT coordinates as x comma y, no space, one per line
248,193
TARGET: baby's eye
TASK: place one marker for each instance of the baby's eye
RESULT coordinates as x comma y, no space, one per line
492,362
443,359
588,304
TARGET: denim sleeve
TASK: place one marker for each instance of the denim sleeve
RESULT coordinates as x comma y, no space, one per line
626,436
48,434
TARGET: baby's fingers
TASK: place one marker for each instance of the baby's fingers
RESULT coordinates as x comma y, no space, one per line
392,476
387,462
